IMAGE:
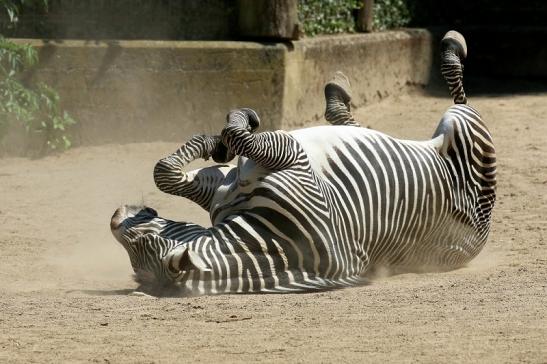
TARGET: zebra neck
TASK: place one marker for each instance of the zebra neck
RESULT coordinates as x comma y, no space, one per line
239,261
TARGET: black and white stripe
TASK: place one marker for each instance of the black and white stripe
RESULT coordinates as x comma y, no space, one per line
454,50
318,208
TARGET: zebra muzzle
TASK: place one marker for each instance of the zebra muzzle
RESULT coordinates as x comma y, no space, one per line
118,217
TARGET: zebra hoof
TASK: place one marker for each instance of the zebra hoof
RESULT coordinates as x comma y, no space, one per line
339,86
455,41
252,118
244,118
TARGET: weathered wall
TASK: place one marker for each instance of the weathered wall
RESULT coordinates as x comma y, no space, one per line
151,90
377,64
129,91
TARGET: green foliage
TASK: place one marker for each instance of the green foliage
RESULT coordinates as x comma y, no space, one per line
337,16
390,14
327,16
35,106
12,7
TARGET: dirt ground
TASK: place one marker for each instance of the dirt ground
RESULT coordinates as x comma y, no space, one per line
64,281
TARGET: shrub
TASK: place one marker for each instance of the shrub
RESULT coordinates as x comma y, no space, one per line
35,106
338,16
327,16
390,14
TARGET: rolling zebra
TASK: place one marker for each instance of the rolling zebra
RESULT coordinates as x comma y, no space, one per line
318,208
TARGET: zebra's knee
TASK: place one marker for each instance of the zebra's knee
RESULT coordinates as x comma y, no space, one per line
167,174
238,133
244,118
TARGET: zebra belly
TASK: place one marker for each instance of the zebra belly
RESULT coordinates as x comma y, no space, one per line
396,197
368,200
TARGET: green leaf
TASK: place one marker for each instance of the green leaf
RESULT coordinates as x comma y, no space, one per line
35,106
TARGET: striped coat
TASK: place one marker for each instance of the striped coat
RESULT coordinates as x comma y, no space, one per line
318,208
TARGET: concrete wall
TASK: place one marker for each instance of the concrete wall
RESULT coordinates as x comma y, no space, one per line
378,65
131,91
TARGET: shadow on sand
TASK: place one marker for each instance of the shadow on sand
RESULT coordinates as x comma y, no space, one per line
103,292
489,86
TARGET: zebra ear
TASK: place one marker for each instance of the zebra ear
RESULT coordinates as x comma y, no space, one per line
182,259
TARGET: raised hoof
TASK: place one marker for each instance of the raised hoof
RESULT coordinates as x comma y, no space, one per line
455,41
253,119
339,86
245,118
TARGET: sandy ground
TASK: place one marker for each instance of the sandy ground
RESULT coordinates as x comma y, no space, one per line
64,281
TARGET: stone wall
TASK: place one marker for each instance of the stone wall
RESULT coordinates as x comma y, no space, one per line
132,91
378,65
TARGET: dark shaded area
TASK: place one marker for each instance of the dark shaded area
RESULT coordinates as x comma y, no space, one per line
487,13
497,87
127,19
490,69
487,86
505,38
503,51
105,292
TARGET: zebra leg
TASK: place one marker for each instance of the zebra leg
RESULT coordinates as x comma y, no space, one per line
199,185
453,52
338,97
272,150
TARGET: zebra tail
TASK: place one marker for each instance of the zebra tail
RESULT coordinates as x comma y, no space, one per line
453,52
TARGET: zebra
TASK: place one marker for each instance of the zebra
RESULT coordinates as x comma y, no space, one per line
319,208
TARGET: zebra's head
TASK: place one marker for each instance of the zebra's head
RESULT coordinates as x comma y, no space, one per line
139,231
157,247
